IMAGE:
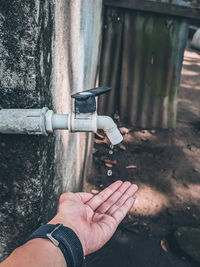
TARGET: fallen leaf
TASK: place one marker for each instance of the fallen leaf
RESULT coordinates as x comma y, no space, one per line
131,167
164,245
124,130
94,191
110,161
99,142
103,140
100,135
144,131
108,165
122,147
144,139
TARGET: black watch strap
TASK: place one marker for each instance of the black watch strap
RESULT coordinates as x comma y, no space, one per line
66,239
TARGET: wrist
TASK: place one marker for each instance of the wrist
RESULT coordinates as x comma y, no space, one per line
60,220
63,238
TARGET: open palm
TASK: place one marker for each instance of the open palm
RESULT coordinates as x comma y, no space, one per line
95,218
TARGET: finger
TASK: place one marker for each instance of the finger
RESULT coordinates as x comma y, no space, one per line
97,200
121,212
114,198
130,192
84,196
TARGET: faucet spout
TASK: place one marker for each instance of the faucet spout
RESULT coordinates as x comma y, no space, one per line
110,128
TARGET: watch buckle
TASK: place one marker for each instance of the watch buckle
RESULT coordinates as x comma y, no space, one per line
50,237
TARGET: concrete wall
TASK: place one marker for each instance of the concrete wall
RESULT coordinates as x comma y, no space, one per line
49,49
76,51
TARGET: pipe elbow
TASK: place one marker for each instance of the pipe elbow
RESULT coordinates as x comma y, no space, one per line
110,128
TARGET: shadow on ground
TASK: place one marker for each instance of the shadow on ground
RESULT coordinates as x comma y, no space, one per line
166,166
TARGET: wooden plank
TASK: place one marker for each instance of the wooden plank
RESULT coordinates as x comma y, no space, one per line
157,7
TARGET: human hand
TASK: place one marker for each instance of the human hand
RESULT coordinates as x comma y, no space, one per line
95,218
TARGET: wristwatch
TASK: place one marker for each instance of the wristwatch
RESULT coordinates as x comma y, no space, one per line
64,238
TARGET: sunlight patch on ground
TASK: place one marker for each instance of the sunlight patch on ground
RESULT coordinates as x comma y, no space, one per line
189,194
189,105
139,136
192,154
188,86
189,63
149,201
190,72
190,55
186,101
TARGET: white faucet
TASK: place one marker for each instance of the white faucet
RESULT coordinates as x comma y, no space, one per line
44,121
83,123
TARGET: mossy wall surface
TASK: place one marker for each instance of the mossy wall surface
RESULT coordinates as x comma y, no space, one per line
49,49
26,162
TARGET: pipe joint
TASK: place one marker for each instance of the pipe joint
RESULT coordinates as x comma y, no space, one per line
110,128
82,122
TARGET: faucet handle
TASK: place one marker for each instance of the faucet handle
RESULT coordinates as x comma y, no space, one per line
85,100
99,90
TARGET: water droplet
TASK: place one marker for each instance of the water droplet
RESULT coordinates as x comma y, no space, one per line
109,172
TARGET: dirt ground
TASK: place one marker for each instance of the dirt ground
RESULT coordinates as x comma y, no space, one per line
165,164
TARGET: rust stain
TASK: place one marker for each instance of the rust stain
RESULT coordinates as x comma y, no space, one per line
141,60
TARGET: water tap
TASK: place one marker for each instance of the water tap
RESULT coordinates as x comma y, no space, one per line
84,118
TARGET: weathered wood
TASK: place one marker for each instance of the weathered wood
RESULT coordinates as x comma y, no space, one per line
157,7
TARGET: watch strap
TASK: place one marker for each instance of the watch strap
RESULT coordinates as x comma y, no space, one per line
66,239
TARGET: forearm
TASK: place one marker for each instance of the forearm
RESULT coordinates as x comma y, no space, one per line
36,253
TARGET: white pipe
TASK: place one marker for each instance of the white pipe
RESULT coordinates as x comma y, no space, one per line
59,121
55,121
110,128
82,122
23,121
44,121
